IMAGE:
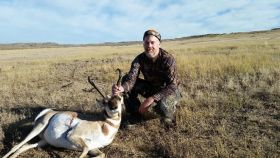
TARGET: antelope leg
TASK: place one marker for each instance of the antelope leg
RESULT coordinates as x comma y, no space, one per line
28,146
96,153
84,153
35,131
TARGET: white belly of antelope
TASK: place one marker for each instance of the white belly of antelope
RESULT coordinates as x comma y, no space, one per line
65,131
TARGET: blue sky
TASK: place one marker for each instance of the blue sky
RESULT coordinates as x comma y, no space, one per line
98,21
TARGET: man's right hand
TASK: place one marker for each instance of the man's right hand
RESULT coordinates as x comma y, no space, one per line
117,89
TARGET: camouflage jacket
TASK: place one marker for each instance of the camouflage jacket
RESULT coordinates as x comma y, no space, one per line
161,74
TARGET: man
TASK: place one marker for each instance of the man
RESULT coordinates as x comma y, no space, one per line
160,83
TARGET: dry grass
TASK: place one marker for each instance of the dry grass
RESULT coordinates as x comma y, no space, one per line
230,85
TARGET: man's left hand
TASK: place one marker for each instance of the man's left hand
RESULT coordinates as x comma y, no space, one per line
145,105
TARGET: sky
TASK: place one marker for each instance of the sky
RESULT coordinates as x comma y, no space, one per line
99,21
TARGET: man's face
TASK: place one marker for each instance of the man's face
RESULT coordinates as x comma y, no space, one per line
151,46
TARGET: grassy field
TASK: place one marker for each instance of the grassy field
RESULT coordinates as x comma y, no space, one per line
230,85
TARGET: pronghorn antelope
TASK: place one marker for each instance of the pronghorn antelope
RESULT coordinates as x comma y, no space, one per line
64,129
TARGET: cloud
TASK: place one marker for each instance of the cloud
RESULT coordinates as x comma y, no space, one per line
250,17
87,21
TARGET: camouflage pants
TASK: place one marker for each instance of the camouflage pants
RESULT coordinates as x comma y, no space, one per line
165,107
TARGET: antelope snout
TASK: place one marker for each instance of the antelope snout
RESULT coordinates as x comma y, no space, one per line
113,107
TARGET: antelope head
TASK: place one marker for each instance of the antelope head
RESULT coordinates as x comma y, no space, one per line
112,104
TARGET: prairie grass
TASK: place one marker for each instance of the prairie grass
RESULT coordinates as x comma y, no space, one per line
230,87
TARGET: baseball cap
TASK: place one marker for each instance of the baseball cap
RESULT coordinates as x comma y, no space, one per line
153,33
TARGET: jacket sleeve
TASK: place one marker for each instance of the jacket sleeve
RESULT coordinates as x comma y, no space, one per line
171,80
132,75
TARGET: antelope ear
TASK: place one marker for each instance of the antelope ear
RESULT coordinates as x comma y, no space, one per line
108,96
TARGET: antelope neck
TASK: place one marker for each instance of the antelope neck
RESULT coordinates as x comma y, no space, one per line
107,116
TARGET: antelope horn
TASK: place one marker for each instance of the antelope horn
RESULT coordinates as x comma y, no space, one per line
92,83
120,77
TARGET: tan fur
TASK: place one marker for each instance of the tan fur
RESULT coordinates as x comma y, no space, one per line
111,124
105,129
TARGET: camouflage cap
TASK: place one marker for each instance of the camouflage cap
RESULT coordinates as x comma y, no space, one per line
153,33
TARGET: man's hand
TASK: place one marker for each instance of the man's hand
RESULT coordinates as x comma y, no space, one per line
117,89
145,105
